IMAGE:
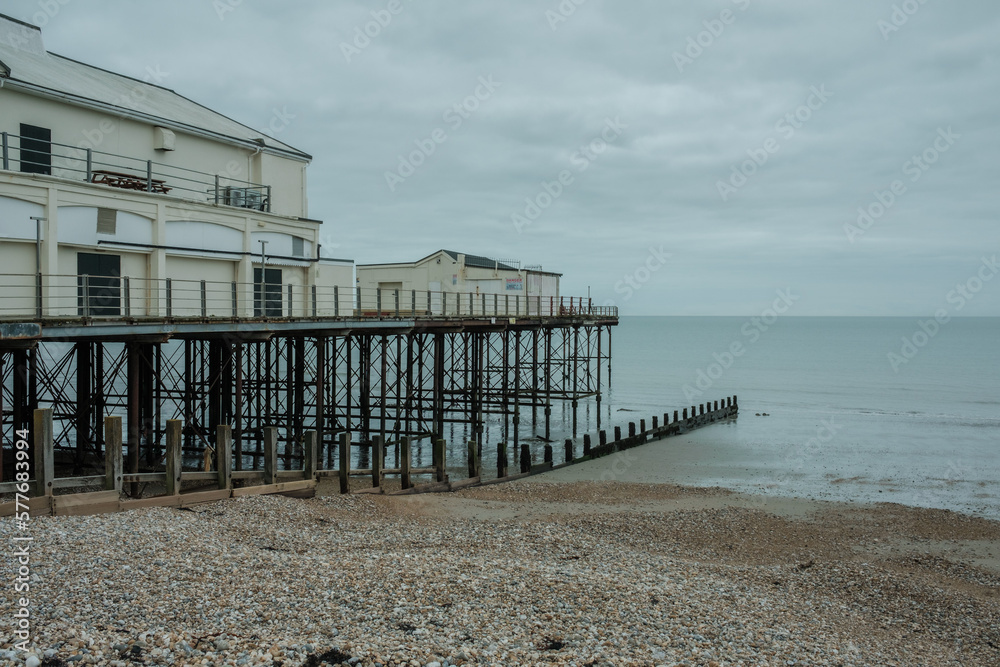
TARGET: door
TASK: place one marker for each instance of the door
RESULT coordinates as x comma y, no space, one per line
99,284
272,293
36,150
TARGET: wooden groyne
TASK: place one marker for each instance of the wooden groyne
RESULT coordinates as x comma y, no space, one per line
35,492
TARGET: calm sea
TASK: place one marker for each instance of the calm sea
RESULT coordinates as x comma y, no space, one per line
843,421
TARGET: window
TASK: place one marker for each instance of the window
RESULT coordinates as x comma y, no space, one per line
272,293
298,247
100,293
36,150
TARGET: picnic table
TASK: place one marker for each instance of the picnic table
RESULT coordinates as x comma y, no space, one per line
118,179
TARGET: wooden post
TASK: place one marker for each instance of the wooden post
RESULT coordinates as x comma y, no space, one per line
474,462
642,426
44,452
345,462
631,429
618,433
439,460
548,454
270,455
569,449
224,455
113,454
174,427
502,460
675,417
685,414
586,443
377,452
656,423
716,404
311,459
404,462
525,458
602,439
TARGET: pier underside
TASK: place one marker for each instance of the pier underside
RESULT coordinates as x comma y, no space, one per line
385,378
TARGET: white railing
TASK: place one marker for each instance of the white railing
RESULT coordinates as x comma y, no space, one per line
129,173
121,297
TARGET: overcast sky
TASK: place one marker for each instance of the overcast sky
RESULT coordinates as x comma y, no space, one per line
739,137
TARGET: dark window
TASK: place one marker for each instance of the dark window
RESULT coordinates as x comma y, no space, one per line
99,285
272,293
36,149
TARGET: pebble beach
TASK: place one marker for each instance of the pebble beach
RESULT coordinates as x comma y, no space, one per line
533,572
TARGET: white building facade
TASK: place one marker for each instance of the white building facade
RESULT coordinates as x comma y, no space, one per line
474,278
131,200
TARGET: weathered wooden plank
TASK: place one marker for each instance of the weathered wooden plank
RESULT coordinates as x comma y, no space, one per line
345,462
155,501
82,504
40,506
311,455
224,456
113,453
44,464
199,497
464,483
173,455
283,487
270,454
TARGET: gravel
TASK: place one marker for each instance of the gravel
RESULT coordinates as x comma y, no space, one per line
514,574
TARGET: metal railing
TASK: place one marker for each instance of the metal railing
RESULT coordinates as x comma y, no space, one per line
67,297
28,155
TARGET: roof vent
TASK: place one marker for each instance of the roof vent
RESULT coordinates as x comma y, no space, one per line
163,139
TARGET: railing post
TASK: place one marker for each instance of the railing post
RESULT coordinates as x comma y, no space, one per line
309,465
377,451
429,303
506,305
397,302
127,296
517,304
440,451
170,298
314,304
38,295
268,198
336,301
149,175
224,455
86,296
484,306
291,312
236,304
6,158
44,452
204,299
345,462
90,164
496,304
378,302
113,454
270,454
404,461
413,303
216,188
173,457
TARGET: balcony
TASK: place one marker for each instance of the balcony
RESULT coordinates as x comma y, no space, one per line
36,156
